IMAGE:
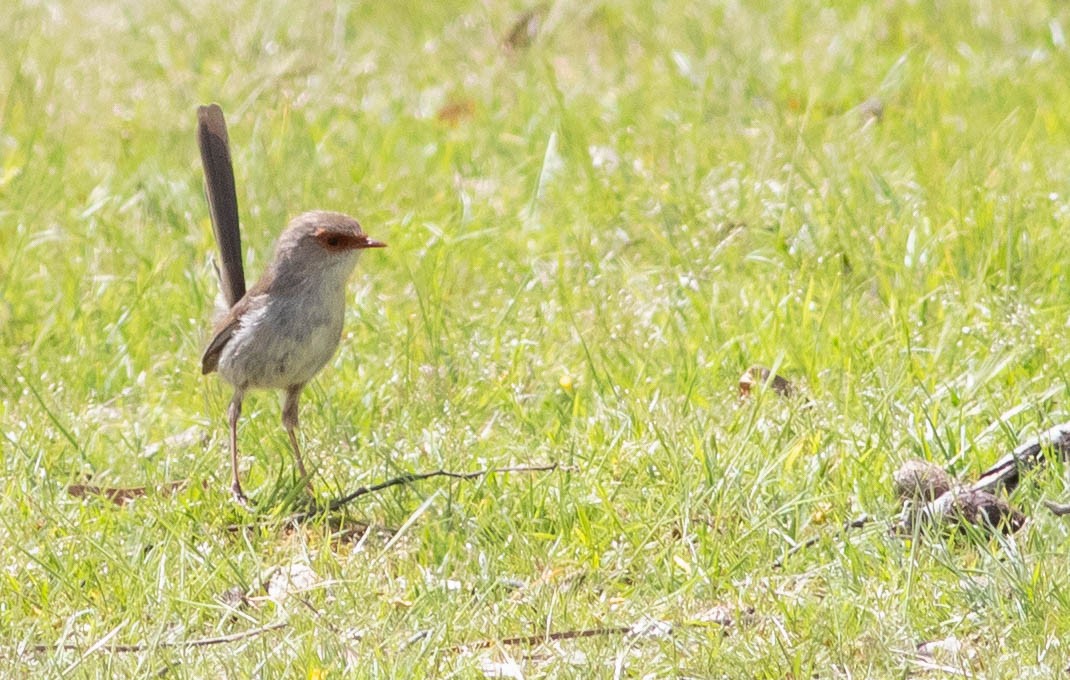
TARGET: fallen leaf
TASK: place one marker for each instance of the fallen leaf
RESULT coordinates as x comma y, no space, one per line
456,110
1057,509
124,495
759,375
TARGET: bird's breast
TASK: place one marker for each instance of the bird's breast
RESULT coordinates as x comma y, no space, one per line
285,340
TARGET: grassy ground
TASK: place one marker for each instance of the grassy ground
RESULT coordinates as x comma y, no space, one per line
592,236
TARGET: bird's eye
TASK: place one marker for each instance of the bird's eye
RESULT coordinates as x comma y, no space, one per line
333,241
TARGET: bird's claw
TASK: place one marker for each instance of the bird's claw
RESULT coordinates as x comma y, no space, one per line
239,497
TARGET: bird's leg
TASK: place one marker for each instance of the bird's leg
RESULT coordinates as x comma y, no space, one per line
233,413
289,421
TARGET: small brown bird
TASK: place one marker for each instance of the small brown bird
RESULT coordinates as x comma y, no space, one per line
280,333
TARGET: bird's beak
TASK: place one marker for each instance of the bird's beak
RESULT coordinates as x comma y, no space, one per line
370,243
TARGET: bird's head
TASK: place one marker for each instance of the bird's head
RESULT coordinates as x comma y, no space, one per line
319,241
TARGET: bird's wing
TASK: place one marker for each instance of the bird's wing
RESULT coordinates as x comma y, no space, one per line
210,358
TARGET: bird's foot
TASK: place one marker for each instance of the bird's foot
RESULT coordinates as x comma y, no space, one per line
239,496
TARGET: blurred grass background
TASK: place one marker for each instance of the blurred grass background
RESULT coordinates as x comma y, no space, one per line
599,215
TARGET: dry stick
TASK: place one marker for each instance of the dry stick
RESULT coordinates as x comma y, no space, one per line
1057,509
1006,472
199,642
530,640
411,477
540,639
396,481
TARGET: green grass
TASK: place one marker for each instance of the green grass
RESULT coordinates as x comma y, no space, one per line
620,219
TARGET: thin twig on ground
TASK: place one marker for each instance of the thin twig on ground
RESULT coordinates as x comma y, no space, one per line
1058,509
411,477
408,478
1006,472
638,631
529,640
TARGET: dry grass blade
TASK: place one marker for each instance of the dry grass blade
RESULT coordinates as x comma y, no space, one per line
125,495
760,375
